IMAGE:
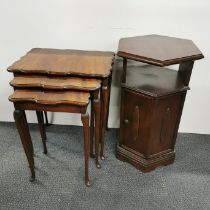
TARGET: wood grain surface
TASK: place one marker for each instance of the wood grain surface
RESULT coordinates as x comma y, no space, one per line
60,83
158,50
51,97
65,62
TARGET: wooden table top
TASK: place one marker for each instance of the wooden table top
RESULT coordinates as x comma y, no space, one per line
55,82
65,62
51,97
153,80
158,50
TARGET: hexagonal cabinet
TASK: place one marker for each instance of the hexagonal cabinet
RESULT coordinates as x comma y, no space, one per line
151,107
152,98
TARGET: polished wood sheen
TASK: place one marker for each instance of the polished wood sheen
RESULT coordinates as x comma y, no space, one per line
57,83
158,50
61,83
50,97
153,97
148,128
65,62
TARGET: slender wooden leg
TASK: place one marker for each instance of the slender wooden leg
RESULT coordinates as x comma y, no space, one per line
42,129
97,109
92,128
85,121
109,93
46,118
22,126
104,93
30,142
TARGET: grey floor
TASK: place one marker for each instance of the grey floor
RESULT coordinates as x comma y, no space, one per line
117,185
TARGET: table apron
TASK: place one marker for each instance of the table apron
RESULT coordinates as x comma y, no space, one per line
51,108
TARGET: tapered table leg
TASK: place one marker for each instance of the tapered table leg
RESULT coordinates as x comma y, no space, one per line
85,121
40,118
22,126
109,94
46,118
92,122
97,110
104,109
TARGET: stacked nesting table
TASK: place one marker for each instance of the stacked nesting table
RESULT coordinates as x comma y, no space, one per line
153,97
63,81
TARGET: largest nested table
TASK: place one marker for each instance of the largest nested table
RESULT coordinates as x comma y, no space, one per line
88,64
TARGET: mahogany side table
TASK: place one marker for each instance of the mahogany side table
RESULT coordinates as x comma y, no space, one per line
88,64
63,101
153,97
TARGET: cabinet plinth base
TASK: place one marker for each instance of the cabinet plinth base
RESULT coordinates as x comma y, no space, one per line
143,164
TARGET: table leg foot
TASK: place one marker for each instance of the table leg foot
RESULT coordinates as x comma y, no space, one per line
102,157
98,165
88,183
32,179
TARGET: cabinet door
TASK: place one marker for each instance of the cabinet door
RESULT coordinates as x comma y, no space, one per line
165,123
134,122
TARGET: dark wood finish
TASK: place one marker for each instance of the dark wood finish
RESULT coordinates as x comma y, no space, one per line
46,119
109,95
54,62
154,81
185,71
124,70
40,118
85,121
97,113
65,62
92,123
22,127
104,97
158,50
153,98
148,127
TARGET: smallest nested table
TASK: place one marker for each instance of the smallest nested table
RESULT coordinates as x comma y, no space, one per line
68,101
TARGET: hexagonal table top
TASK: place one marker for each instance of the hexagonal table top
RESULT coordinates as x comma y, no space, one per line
158,50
